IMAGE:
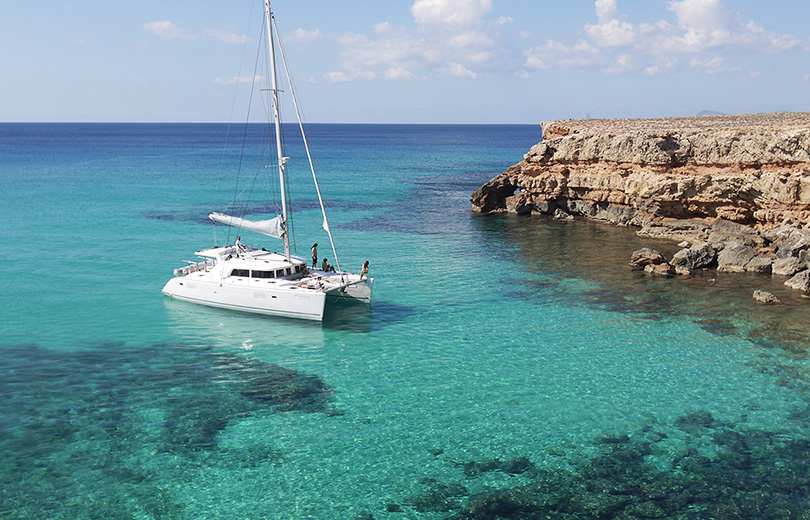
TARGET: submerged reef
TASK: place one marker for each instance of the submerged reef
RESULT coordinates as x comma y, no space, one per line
735,189
695,467
120,416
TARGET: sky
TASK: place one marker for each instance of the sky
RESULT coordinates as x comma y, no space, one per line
406,61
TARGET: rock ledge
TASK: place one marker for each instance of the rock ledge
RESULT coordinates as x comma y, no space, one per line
738,183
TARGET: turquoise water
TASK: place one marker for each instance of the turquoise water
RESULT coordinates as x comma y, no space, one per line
508,367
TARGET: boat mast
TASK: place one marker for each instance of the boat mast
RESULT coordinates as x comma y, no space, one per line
325,225
282,161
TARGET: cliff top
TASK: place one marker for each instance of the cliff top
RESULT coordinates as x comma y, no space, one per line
784,122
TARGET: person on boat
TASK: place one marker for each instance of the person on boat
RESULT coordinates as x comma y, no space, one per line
364,270
325,265
314,255
239,247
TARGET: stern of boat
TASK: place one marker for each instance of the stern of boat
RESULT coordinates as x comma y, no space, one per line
357,290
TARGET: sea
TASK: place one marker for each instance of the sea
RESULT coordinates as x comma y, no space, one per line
508,367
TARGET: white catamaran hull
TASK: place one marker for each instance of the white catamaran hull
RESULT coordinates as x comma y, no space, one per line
302,303
359,291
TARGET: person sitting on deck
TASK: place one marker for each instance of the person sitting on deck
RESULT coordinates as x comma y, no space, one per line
325,266
364,270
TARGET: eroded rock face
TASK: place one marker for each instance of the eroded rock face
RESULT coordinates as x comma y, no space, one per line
752,170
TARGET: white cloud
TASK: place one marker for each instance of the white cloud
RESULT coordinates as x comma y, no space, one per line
449,12
302,35
344,77
225,36
168,30
706,34
238,79
171,31
460,71
382,28
713,65
398,73
396,49
449,36
605,10
554,53
613,33
711,24
456,37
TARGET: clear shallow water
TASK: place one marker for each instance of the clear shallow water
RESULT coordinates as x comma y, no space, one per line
503,360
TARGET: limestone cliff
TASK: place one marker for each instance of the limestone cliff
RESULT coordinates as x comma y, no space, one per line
749,169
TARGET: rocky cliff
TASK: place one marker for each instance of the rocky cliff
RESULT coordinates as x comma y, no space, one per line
681,178
753,169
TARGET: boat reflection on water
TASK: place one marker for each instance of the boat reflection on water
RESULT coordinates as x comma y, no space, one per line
247,331
238,330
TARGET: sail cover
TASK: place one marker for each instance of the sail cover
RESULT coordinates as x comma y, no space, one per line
272,228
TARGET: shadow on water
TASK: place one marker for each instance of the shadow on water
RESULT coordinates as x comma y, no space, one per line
586,263
120,416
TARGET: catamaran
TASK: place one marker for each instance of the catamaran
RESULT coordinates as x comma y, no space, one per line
256,280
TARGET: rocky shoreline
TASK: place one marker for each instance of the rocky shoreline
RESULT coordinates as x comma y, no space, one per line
734,191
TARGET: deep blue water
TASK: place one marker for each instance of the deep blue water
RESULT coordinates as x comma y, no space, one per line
508,367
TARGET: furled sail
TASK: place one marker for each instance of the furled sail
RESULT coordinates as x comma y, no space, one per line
273,227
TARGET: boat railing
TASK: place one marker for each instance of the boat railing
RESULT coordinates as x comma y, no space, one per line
194,267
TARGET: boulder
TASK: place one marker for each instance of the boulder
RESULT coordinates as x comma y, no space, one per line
760,264
765,297
800,281
796,241
682,270
725,231
787,266
646,256
734,257
695,257
659,269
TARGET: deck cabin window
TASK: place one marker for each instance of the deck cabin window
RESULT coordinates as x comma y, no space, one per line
240,272
263,274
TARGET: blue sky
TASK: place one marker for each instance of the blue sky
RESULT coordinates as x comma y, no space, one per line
407,61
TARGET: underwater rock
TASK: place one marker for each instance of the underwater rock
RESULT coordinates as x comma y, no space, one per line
439,497
698,419
765,297
659,269
513,466
750,474
284,388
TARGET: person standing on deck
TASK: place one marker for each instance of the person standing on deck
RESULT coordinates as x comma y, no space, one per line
315,255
